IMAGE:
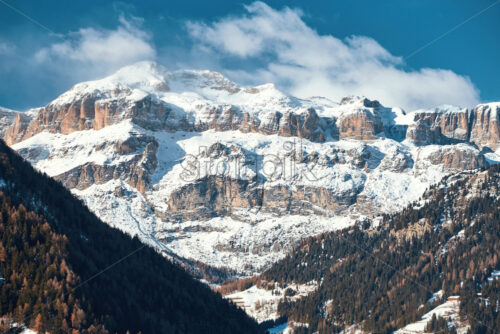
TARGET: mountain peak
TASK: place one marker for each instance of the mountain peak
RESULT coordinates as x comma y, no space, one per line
141,78
145,75
138,74
186,88
363,101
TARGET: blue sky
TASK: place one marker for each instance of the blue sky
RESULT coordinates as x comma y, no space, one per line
330,48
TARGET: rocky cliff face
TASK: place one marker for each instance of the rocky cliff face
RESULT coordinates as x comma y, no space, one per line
361,123
136,171
440,127
485,129
217,196
197,165
460,157
7,117
15,131
478,126
91,112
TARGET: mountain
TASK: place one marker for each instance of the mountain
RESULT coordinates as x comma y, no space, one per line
64,271
233,177
433,264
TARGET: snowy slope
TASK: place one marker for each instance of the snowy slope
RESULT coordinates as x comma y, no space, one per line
262,304
248,240
448,310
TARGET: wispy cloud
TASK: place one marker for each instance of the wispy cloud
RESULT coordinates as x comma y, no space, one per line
306,63
99,51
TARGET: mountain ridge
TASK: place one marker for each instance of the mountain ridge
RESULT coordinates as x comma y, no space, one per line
151,83
235,176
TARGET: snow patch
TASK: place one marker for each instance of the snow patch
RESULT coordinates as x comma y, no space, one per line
262,304
448,310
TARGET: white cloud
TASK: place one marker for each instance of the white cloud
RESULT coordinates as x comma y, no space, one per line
305,63
97,51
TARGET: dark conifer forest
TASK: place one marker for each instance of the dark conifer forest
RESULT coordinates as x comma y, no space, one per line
67,272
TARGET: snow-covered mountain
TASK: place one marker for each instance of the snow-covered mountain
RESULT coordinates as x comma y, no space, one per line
234,176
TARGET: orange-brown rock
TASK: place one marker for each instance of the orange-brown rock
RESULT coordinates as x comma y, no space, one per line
7,117
478,126
96,112
438,127
458,157
361,125
485,129
16,132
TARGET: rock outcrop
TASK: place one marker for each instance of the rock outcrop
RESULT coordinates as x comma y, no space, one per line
478,126
90,112
136,171
16,131
215,196
359,119
458,157
440,127
485,128
7,118
96,112
360,125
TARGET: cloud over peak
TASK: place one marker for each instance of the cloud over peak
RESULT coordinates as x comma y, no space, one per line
306,63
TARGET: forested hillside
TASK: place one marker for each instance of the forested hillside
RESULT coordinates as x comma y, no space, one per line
382,279
67,272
